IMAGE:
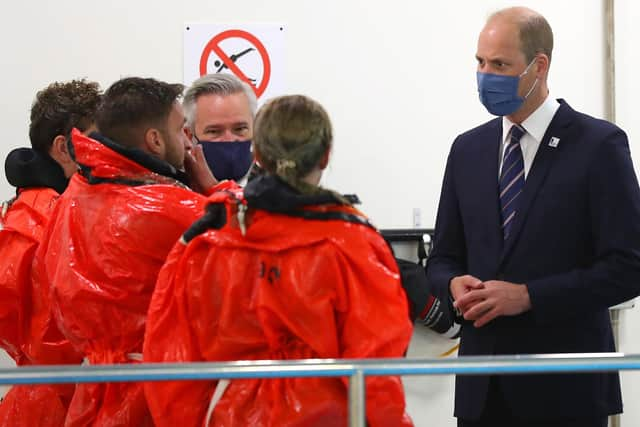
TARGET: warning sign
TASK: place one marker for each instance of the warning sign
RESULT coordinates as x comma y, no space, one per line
227,61
252,53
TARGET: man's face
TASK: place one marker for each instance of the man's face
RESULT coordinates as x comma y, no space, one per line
223,118
499,53
176,142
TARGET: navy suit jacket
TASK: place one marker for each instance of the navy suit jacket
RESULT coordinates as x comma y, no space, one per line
575,243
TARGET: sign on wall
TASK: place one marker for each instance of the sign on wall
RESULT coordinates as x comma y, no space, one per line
254,53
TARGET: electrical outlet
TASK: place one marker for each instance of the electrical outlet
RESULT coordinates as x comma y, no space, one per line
417,218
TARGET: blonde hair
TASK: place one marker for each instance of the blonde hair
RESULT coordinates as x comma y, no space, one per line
292,135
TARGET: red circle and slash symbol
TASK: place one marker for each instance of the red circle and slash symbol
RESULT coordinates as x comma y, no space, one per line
214,46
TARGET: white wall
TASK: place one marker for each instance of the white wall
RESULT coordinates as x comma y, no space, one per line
398,79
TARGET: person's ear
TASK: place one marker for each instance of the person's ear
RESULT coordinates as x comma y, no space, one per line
324,162
256,155
188,132
154,143
59,151
188,139
541,65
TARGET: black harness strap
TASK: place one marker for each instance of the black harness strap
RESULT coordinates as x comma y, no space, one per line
216,217
95,180
330,216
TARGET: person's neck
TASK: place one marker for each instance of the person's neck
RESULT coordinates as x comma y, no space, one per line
530,105
313,178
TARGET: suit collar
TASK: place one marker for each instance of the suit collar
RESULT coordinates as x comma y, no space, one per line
538,122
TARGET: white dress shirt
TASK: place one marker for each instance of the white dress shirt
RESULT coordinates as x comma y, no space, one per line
536,125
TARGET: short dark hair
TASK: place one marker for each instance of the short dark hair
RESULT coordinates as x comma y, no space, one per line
536,37
134,104
60,107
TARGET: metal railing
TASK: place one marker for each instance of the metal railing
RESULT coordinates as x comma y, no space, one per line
355,369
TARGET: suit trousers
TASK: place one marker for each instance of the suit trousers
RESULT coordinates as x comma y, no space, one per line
497,414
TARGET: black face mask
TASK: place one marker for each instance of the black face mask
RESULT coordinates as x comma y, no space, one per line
228,159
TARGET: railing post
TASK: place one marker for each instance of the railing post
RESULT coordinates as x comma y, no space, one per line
357,400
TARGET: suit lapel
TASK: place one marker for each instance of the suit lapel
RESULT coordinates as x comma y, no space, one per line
543,160
487,177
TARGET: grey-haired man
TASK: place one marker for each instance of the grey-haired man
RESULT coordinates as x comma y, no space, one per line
219,110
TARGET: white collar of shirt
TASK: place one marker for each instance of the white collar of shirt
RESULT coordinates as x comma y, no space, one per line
242,182
536,126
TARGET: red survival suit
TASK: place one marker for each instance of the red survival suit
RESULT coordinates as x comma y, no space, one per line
310,279
39,180
110,234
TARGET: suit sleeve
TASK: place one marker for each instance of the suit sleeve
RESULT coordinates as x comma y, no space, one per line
375,324
169,338
614,208
448,256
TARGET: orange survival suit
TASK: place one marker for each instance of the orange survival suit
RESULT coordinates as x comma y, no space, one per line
310,278
110,234
39,180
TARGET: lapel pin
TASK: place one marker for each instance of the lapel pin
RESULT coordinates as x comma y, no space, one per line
553,142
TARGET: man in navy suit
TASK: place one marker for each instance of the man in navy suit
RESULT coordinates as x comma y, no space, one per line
537,234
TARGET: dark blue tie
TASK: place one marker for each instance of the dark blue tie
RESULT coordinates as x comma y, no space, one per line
511,179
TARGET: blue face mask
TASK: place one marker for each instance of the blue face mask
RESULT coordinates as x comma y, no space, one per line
499,94
228,159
